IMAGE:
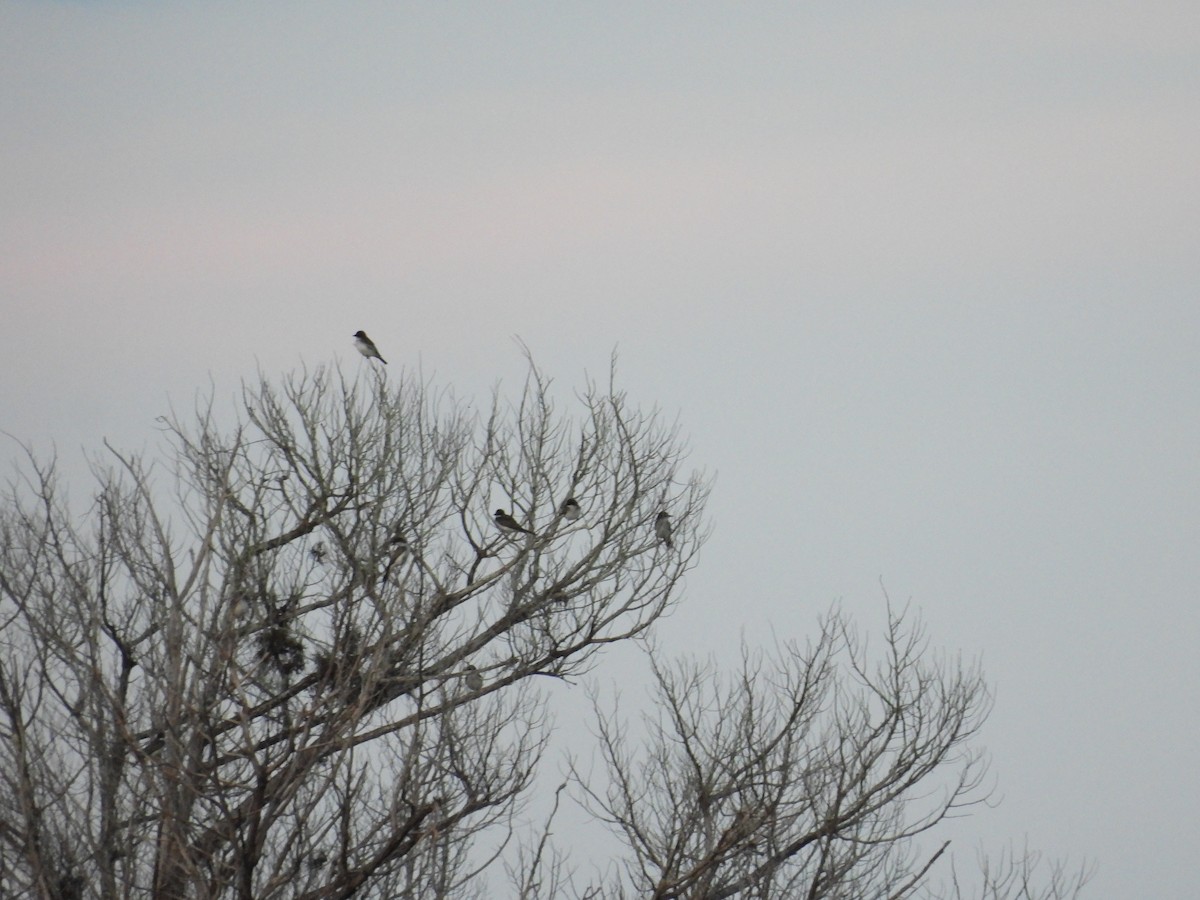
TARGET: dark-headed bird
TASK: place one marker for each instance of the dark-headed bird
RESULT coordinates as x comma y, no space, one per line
508,523
366,347
570,509
473,678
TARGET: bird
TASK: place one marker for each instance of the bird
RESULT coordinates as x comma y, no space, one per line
398,542
318,552
473,679
366,346
239,606
570,509
157,741
662,528
398,548
508,523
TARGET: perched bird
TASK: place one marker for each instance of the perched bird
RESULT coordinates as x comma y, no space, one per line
398,548
366,346
239,606
662,528
398,542
570,509
156,743
318,552
473,678
508,523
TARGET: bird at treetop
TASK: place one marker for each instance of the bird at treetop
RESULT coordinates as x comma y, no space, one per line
662,528
472,677
570,509
366,346
508,523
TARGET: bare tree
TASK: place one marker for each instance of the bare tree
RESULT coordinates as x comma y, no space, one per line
301,662
303,656
809,774
1026,875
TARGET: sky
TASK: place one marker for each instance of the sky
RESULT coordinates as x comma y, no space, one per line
919,282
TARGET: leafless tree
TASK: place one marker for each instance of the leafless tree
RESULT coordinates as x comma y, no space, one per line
304,655
300,660
812,773
1012,875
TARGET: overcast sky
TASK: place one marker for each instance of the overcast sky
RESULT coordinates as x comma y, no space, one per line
919,280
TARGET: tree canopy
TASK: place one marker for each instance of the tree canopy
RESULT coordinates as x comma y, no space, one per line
303,652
